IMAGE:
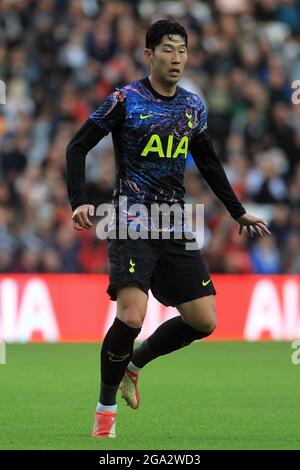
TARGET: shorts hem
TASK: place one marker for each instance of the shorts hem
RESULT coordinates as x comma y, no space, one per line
184,299
112,289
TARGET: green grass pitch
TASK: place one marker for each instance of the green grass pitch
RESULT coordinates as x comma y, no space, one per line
213,395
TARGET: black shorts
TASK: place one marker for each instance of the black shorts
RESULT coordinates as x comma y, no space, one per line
174,275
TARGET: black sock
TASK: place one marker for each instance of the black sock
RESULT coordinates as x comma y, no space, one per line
115,355
171,335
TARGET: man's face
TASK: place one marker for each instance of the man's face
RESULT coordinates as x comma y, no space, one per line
168,59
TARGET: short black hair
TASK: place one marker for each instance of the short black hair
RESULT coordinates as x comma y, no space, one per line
158,29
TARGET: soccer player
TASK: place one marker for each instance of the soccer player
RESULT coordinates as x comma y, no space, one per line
153,123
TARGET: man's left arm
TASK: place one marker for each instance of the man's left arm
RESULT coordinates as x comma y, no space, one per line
211,169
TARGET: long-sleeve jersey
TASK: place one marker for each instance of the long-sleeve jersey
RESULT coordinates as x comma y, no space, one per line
152,135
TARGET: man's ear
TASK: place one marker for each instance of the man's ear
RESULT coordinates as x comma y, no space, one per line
148,53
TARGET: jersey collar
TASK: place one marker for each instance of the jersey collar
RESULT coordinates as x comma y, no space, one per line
146,82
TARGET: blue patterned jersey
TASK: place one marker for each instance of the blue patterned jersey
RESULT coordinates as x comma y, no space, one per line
151,136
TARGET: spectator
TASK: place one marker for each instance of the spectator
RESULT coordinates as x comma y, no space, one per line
60,59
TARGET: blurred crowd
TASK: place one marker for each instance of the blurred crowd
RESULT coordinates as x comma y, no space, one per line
59,59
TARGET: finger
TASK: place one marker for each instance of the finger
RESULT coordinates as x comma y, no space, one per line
91,210
78,218
86,221
83,220
258,230
249,232
76,226
241,229
260,221
260,224
266,230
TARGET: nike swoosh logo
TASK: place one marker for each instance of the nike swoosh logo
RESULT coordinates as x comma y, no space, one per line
115,358
204,283
145,116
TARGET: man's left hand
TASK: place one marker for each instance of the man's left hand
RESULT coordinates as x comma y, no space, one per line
251,222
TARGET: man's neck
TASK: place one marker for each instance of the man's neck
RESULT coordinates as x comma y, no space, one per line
161,88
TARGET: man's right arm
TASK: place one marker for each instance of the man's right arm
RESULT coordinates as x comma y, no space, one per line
83,141
105,119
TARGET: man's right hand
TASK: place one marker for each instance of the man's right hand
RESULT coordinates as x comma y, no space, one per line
80,217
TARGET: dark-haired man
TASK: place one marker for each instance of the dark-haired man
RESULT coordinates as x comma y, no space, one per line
153,123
